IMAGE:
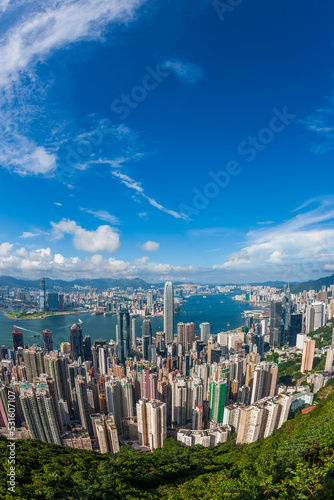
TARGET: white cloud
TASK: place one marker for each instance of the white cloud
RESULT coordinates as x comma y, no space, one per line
39,33
34,32
141,262
104,239
31,264
102,215
150,246
186,72
5,248
306,240
58,204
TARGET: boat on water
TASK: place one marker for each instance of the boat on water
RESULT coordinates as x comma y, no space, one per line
37,335
80,321
108,313
204,296
222,302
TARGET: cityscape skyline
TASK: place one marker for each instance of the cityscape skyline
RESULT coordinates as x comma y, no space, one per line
192,384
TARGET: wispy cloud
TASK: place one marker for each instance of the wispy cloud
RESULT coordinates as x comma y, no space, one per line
29,234
30,39
186,72
321,123
210,231
102,215
137,187
265,223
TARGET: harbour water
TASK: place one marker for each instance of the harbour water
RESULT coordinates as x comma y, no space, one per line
218,310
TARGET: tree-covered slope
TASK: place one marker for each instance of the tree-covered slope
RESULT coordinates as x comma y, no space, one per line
294,463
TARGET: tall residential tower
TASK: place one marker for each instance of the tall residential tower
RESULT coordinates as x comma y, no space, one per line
169,312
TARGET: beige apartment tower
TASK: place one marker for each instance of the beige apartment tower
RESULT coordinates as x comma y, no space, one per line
308,355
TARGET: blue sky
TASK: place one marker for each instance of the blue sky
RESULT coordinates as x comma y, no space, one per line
187,140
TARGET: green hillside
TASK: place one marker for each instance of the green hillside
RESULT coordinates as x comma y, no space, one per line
294,463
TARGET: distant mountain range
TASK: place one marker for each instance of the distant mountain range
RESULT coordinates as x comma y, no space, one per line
100,284
313,285
273,284
104,283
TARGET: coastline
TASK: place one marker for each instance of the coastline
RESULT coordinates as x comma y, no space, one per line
30,317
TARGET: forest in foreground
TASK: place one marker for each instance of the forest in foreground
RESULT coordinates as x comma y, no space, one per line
296,462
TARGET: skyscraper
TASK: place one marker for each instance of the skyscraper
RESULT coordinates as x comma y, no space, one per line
81,393
296,322
186,335
319,314
87,345
205,331
34,362
47,340
124,335
329,360
275,323
53,301
17,339
218,394
133,334
308,355
249,425
42,295
76,342
152,423
169,312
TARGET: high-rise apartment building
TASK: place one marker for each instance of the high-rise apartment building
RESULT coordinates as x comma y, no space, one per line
169,312
152,423
186,335
34,362
249,425
308,355
82,400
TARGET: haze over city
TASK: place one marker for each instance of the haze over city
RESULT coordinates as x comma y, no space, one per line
145,138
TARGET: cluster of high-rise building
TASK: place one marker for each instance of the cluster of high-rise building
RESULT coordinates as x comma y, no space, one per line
198,386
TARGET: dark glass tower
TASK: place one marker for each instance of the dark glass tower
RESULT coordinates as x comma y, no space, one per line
275,324
76,342
17,339
47,340
87,345
295,328
124,335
